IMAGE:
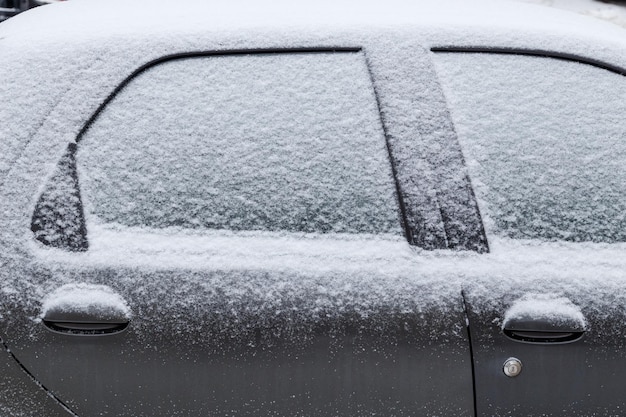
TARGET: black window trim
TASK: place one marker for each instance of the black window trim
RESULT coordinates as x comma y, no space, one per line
200,54
541,53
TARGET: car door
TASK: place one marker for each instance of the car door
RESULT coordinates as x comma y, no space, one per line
545,143
226,237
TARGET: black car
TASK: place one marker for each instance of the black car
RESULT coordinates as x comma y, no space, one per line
312,209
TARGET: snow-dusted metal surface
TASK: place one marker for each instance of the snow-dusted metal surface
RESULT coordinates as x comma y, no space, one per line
21,395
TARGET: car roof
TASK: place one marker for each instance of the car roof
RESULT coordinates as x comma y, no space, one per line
478,21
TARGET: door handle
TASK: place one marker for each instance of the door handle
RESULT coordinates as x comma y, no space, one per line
85,310
542,319
534,336
85,327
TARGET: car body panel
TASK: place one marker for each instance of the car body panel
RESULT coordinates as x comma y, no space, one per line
251,342
21,395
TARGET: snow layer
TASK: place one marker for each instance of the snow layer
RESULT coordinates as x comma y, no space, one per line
265,142
217,288
96,301
545,141
550,309
58,218
64,59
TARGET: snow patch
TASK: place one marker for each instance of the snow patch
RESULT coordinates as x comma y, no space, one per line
553,309
95,300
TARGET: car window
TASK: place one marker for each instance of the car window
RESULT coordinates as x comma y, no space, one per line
273,142
545,142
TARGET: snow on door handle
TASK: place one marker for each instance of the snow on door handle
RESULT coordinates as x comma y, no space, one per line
85,310
543,318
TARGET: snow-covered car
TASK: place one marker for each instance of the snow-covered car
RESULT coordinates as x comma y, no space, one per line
278,208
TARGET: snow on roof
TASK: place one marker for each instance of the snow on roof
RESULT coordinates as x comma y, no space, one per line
73,22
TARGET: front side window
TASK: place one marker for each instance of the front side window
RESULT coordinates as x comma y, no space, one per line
545,142
273,142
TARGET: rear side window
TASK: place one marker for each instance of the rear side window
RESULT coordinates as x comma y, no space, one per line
545,141
273,142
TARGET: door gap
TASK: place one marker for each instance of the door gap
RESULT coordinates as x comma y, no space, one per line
471,349
39,384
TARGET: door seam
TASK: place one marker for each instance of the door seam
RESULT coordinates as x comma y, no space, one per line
39,384
471,350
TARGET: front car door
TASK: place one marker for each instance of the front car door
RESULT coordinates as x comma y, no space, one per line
226,238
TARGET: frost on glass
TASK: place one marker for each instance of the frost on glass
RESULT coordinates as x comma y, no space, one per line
545,141
274,142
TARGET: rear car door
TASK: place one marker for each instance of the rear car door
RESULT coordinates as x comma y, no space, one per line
545,143
225,237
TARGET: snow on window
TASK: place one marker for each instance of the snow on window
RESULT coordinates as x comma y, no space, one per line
58,219
545,141
275,142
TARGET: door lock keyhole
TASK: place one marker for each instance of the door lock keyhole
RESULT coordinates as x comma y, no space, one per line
512,367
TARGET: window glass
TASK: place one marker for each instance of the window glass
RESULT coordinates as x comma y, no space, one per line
545,142
274,142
